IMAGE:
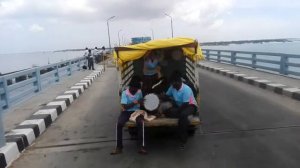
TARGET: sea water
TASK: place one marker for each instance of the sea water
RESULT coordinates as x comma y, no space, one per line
274,47
271,47
19,61
15,62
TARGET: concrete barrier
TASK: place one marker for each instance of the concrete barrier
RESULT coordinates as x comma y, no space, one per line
18,139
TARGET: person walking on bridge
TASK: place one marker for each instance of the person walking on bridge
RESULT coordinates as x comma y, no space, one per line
131,99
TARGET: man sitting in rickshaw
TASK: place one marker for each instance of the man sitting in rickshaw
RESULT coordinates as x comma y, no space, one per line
185,105
131,100
150,71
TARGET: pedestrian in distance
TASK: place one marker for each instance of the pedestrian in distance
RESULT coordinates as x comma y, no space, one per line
86,53
96,55
90,60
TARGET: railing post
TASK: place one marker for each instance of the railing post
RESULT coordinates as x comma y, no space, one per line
56,74
233,58
283,65
70,68
254,61
2,138
219,56
38,82
4,96
78,64
207,54
104,60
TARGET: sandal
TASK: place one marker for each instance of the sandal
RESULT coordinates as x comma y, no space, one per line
143,151
116,151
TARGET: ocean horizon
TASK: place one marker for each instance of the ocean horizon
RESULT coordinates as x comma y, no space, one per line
19,61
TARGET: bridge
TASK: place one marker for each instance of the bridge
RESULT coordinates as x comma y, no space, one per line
250,118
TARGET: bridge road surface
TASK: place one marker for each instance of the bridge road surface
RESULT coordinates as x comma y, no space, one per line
244,127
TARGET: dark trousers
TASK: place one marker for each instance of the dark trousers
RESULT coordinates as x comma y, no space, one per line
182,114
123,118
91,63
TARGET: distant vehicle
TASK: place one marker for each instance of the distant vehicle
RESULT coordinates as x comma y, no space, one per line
176,54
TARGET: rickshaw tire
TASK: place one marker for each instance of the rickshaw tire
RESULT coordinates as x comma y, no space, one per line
191,131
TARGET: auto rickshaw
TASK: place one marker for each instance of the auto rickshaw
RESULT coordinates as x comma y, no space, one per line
176,54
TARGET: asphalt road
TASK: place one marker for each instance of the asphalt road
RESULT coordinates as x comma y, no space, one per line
243,127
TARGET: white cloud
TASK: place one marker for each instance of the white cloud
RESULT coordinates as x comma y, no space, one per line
21,9
202,11
70,6
216,24
81,23
36,28
256,4
194,11
8,7
10,25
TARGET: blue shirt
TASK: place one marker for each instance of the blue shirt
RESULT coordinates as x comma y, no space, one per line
150,67
183,95
128,98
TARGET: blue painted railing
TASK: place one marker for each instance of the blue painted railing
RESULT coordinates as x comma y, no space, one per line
17,86
285,64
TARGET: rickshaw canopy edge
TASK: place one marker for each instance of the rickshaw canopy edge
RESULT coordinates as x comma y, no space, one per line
189,46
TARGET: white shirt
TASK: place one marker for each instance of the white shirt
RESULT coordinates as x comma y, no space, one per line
95,52
86,53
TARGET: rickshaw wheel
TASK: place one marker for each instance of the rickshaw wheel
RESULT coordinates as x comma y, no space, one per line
191,131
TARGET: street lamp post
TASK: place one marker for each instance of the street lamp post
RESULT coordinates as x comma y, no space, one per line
123,39
108,30
152,34
108,37
171,23
119,35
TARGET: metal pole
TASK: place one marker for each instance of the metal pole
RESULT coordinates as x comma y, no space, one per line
119,36
152,34
2,137
108,31
172,27
171,24
38,82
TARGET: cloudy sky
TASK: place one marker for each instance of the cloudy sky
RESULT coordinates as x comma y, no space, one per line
39,25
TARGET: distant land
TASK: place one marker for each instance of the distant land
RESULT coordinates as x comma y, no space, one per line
65,50
80,49
218,43
283,40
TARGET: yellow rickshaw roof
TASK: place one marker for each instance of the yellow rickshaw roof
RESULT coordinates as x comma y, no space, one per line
189,47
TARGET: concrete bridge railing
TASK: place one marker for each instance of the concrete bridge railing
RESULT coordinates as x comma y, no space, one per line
17,86
286,64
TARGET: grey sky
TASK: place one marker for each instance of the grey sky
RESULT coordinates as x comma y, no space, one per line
37,25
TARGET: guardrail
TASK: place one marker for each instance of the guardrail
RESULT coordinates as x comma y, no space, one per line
17,86
286,64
